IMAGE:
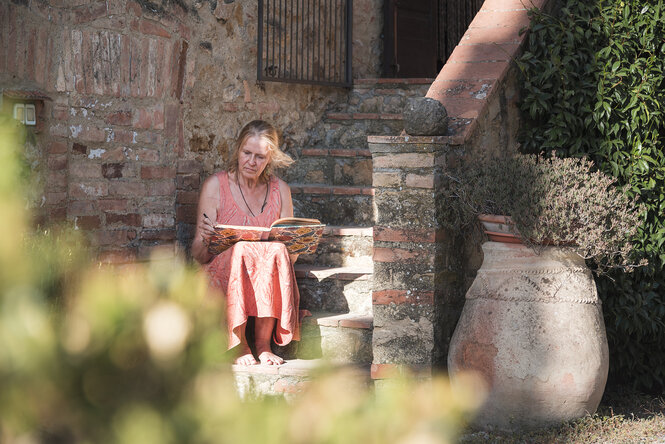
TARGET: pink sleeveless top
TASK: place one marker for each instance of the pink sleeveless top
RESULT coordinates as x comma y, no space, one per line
256,277
231,214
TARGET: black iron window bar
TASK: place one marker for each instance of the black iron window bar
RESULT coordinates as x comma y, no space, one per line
305,41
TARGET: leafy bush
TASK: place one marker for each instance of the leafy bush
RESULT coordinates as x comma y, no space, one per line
594,85
551,201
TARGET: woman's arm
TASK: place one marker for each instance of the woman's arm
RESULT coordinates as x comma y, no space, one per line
287,208
209,201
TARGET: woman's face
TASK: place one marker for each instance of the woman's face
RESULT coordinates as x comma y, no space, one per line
253,158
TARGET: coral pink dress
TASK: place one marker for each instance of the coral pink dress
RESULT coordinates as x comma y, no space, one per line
257,277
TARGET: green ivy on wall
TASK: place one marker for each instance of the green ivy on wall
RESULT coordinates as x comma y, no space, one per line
594,85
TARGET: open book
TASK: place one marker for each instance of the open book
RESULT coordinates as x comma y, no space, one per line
301,236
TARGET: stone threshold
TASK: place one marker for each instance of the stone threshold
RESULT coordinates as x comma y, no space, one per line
345,320
307,271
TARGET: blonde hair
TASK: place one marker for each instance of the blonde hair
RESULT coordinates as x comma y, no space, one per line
267,133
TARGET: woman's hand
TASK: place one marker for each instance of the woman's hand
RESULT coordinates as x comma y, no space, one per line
206,228
205,219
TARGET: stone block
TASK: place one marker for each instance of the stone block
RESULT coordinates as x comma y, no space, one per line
403,160
404,209
396,275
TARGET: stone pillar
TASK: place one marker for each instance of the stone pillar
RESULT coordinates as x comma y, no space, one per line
411,271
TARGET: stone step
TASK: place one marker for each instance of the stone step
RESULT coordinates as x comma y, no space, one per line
333,204
351,167
351,129
339,338
343,247
291,378
335,289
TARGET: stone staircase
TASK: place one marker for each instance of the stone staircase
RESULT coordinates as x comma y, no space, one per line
332,181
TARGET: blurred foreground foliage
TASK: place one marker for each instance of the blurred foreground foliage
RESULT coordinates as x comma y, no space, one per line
135,354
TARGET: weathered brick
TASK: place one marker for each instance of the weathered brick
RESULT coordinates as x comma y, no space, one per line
420,181
398,297
171,117
126,137
165,234
187,197
85,169
81,208
57,162
55,198
56,180
87,190
87,133
60,112
59,130
157,172
149,118
87,222
164,187
115,237
188,167
89,13
187,182
150,28
158,220
147,155
122,117
129,219
404,160
128,189
79,148
57,147
112,170
112,204
149,138
382,179
186,214
114,155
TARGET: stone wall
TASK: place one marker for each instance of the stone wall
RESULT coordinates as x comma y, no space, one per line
146,100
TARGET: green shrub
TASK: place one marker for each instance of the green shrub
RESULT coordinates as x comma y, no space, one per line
551,201
594,85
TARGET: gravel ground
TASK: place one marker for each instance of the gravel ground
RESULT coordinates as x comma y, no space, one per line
624,416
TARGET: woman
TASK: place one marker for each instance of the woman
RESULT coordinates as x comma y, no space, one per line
257,277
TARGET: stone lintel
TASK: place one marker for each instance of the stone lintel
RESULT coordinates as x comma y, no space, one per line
409,144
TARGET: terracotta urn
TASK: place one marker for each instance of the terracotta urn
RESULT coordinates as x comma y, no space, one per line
532,327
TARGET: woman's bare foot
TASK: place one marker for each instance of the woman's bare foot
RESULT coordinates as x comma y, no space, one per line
269,358
246,357
263,332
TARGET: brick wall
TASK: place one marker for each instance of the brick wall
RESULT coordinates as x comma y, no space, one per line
146,100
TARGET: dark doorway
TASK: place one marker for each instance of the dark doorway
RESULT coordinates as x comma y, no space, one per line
420,35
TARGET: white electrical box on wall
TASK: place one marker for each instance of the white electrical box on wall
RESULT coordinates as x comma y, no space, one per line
25,113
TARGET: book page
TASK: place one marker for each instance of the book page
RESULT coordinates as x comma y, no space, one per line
295,221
